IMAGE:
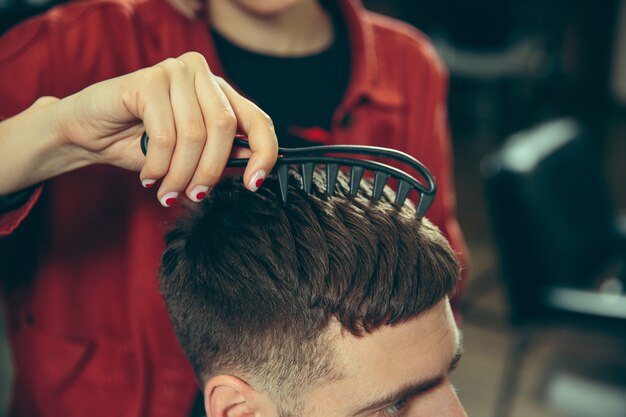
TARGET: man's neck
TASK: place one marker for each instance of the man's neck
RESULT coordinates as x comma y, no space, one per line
301,30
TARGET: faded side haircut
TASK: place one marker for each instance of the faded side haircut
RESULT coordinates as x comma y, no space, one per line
252,283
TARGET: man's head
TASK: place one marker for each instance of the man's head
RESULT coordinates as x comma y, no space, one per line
324,306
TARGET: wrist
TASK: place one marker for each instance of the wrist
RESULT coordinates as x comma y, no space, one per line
62,122
34,149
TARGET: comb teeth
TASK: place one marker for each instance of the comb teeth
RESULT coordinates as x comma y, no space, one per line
307,176
283,178
356,174
331,177
379,184
423,205
403,191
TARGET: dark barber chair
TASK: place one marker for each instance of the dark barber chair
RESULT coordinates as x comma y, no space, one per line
562,253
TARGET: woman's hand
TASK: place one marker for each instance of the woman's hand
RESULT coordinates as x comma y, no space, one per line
190,115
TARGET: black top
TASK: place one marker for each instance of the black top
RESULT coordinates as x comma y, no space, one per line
300,92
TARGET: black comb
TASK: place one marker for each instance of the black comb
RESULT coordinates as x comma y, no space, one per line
308,157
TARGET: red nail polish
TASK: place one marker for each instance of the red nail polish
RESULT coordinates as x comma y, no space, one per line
256,180
169,198
200,195
148,183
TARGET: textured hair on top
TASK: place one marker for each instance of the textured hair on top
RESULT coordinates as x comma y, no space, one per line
252,283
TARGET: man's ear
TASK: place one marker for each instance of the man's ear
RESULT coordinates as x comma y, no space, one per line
229,396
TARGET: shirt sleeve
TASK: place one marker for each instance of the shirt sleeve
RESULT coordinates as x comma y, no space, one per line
24,68
12,216
57,54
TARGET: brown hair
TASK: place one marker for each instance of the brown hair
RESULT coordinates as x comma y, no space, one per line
251,283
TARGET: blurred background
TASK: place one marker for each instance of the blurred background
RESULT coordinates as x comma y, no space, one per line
537,107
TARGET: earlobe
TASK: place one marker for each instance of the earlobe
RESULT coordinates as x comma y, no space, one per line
228,396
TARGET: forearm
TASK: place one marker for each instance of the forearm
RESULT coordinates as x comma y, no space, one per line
32,149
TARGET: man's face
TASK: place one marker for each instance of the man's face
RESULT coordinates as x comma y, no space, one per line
399,371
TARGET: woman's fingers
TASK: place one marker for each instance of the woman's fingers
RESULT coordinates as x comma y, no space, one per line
191,117
221,125
261,136
190,131
158,120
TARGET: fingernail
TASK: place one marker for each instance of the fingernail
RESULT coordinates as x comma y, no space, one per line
198,193
148,183
257,180
169,198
